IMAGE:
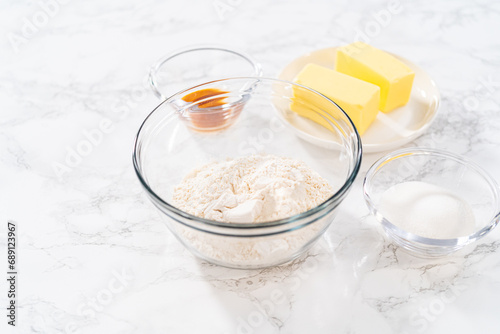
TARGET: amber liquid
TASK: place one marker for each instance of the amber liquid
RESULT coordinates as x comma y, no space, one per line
211,115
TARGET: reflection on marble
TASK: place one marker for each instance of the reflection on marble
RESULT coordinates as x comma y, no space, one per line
94,255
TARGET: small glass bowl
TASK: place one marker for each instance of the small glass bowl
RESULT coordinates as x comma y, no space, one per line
457,175
166,150
193,66
196,65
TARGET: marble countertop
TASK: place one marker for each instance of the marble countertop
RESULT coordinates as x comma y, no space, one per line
93,254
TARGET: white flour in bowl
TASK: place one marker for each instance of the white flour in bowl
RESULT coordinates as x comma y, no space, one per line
256,189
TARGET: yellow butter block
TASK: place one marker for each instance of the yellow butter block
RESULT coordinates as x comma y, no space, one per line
370,64
359,99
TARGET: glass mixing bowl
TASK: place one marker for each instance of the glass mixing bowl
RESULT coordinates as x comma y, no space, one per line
167,148
460,177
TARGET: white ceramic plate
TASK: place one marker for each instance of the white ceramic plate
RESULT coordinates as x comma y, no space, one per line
390,130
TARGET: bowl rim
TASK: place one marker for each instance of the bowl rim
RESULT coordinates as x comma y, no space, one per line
153,72
341,191
405,152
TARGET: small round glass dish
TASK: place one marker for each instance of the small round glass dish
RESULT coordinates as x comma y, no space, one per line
455,178
198,64
166,150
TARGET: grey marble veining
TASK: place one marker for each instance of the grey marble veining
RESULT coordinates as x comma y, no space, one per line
90,227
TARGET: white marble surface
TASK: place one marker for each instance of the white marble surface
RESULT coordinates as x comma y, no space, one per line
94,255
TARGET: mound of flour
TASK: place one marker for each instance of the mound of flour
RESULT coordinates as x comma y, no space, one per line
254,188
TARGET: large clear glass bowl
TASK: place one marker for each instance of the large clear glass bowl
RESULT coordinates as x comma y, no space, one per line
462,178
167,148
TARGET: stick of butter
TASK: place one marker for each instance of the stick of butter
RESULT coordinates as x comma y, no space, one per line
359,99
367,63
